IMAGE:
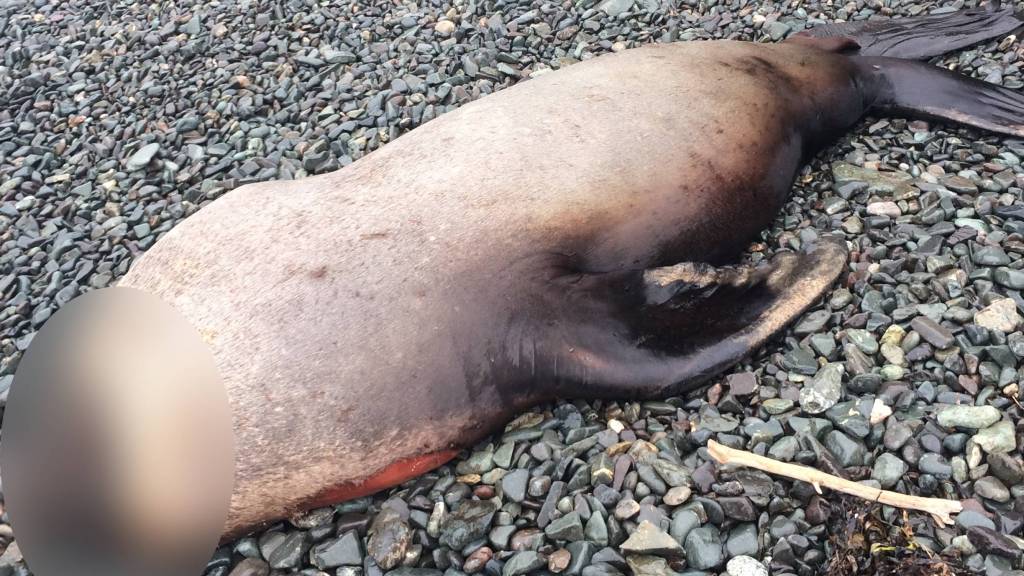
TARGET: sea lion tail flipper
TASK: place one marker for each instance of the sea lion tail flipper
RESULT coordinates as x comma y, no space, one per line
696,321
923,37
921,90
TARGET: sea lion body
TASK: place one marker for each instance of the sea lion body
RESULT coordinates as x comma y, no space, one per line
392,309
371,322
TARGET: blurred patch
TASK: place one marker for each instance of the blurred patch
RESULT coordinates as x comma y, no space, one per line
117,452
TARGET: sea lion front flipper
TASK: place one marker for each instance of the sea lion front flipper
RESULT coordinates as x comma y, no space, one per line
921,90
920,37
691,322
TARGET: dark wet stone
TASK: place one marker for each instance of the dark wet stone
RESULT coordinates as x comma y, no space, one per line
970,518
991,256
523,562
824,390
782,527
527,539
683,521
500,535
704,548
989,541
743,541
896,435
141,158
818,511
847,451
652,514
935,464
289,551
601,569
250,567
344,551
673,474
390,536
581,554
739,508
888,470
555,494
568,527
1007,468
470,521
514,483
651,479
991,488
932,332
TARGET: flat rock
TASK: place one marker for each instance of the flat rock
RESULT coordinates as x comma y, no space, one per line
932,332
824,390
389,538
141,158
1001,315
998,438
704,548
651,540
568,527
962,416
344,551
469,522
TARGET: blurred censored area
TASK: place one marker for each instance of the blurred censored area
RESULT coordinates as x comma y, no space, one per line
117,450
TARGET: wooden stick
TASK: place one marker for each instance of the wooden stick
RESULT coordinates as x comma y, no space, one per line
939,508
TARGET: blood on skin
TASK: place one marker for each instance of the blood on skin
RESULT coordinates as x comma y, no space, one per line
391,475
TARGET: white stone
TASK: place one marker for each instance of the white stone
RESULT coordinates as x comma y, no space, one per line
444,27
745,566
1000,315
890,209
879,412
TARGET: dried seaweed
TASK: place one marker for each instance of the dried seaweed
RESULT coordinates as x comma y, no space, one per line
867,545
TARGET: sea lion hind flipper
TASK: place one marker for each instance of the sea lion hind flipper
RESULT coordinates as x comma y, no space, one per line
696,320
920,37
920,90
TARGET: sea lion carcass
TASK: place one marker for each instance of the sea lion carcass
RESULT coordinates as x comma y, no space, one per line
555,239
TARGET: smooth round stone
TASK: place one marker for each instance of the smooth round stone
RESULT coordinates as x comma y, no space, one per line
891,372
973,417
784,449
847,451
896,435
704,548
776,406
677,495
523,563
998,438
514,484
743,540
888,470
745,566
141,158
991,488
626,509
935,464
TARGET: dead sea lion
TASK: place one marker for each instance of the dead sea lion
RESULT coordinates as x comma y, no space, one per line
555,239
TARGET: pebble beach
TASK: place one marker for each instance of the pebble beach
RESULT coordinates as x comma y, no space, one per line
120,119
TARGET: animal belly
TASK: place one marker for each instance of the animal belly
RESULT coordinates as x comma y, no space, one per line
391,475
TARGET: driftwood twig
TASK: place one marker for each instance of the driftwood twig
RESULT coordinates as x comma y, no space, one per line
939,508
